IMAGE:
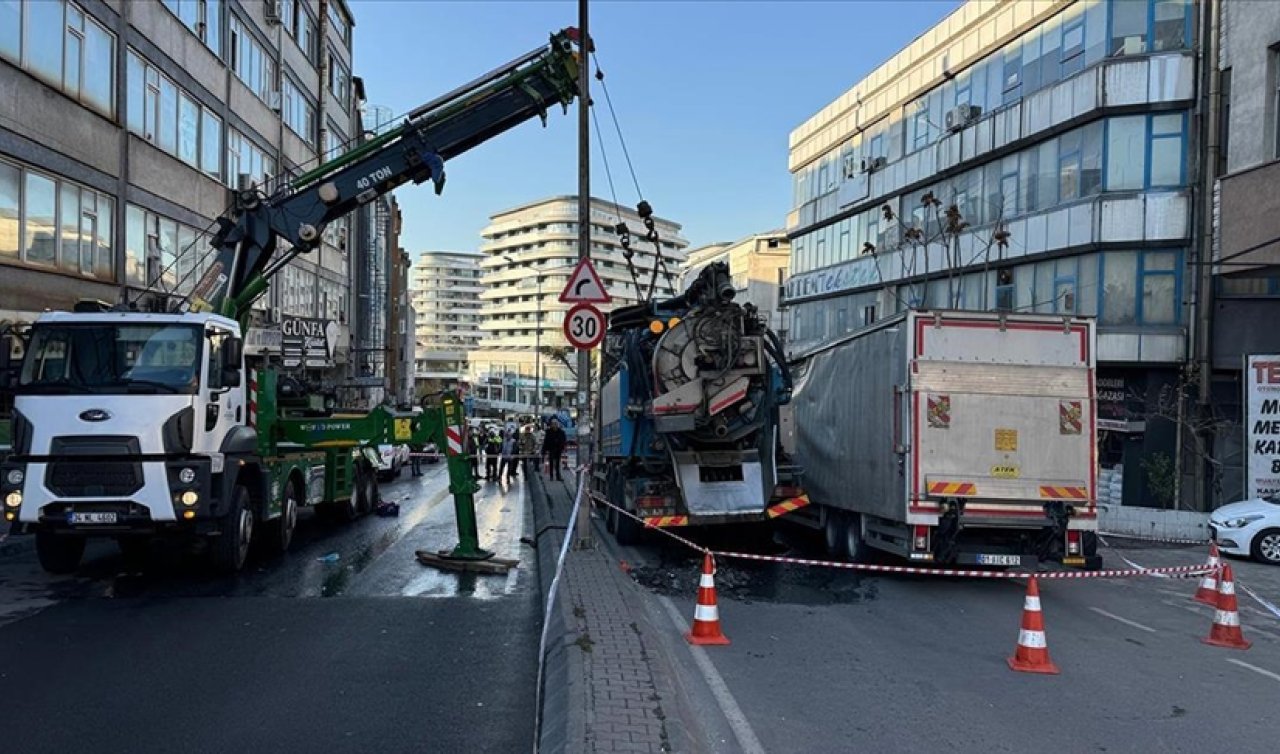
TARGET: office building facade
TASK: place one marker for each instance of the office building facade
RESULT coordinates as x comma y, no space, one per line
124,127
1021,156
529,252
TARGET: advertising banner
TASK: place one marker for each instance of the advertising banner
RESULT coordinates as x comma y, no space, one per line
1262,425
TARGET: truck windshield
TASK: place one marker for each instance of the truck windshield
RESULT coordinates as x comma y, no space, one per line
109,358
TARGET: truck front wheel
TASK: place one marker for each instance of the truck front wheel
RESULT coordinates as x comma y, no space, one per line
235,533
59,554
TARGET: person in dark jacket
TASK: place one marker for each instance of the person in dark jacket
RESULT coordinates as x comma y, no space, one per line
553,448
492,449
473,451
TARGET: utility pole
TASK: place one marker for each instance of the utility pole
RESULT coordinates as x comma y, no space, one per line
584,252
537,353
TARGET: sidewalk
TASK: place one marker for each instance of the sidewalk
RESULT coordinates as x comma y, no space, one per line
607,689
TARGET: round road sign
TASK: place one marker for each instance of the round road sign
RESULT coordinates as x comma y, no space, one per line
584,326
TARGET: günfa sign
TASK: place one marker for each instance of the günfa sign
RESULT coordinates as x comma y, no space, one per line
309,342
1262,425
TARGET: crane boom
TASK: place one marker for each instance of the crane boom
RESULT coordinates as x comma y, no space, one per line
247,236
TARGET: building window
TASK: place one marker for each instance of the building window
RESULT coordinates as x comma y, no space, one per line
298,113
1167,150
251,63
244,157
340,24
1126,152
58,43
54,223
339,79
1128,27
1169,25
169,117
1275,103
1159,288
202,17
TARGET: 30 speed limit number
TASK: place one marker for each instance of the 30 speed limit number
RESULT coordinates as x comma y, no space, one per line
584,326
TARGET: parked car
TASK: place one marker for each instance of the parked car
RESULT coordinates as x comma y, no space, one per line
433,451
391,460
1250,528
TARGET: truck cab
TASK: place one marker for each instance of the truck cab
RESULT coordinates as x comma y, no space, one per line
122,422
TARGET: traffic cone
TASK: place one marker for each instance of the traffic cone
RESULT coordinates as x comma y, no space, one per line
1226,620
706,618
1208,591
1032,654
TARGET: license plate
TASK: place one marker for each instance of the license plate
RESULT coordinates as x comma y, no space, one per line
999,560
92,518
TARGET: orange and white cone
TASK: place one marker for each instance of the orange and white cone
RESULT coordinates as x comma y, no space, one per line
1208,591
706,617
1226,620
1032,654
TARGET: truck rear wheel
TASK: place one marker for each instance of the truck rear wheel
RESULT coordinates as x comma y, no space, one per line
855,548
230,548
280,531
366,491
833,533
59,554
626,529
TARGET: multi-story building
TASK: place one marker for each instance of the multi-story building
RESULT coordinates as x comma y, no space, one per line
1061,134
529,253
123,126
758,264
445,291
1245,282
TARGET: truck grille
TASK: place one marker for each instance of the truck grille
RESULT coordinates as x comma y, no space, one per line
94,473
94,478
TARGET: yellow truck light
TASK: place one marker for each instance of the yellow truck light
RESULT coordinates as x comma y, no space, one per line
13,499
190,497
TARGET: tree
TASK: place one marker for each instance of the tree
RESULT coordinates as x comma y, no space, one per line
562,355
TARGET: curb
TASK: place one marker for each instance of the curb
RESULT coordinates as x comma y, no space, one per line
563,727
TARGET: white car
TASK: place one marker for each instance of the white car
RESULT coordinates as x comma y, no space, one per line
1250,528
391,459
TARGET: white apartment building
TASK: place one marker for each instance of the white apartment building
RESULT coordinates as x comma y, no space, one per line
529,252
444,289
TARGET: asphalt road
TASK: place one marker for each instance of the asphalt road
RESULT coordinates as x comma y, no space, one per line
824,660
371,652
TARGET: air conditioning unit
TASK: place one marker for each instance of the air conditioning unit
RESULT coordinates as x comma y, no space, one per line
961,116
274,10
850,167
275,100
872,164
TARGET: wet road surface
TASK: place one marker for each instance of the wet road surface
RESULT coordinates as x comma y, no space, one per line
824,660
368,651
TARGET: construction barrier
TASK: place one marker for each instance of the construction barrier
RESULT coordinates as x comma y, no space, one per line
1161,540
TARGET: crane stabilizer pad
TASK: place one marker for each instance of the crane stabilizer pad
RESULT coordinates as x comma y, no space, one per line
443,561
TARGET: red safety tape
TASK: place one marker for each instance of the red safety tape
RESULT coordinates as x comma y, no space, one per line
1179,571
1153,539
673,535
1167,571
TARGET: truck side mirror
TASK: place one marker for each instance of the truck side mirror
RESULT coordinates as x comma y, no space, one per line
232,353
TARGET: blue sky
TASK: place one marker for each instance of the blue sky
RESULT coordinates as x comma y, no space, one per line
706,94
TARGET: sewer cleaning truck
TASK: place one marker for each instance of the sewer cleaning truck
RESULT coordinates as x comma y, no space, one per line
135,424
952,437
691,394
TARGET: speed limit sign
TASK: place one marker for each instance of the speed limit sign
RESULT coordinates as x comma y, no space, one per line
584,326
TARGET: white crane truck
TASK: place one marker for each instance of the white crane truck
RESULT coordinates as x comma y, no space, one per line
134,424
